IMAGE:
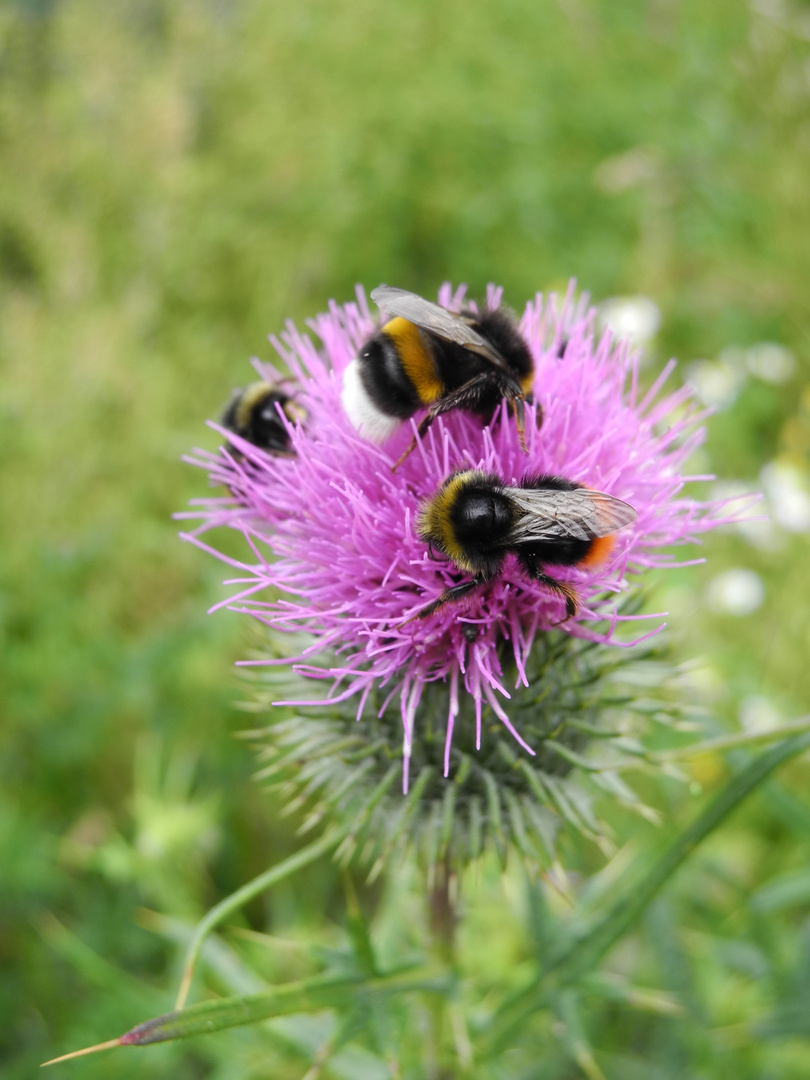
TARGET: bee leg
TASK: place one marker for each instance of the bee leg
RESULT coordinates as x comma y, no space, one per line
560,589
420,431
462,398
448,596
516,404
538,410
513,394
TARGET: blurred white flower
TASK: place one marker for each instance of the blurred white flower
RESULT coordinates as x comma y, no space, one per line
635,317
770,362
758,713
788,493
717,382
736,592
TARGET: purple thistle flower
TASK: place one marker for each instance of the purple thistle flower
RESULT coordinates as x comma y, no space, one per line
332,537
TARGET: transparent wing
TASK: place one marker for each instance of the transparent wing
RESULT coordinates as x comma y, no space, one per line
581,514
436,320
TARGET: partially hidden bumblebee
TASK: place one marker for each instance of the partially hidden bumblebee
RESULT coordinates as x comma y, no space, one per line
253,414
426,357
476,521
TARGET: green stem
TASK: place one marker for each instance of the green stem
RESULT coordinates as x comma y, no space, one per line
582,953
328,842
729,742
443,918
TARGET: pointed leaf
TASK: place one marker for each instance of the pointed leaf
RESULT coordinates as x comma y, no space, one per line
308,995
580,953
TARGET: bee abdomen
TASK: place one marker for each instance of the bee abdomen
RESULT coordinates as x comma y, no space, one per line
385,379
499,329
253,414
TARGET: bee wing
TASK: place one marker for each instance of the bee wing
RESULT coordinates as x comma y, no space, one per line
581,514
436,320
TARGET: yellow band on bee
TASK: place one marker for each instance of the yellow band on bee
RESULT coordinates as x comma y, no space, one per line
416,360
437,526
248,400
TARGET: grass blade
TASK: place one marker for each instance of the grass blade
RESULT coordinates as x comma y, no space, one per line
581,953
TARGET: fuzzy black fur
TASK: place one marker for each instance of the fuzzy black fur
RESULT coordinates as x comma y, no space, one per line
393,393
261,425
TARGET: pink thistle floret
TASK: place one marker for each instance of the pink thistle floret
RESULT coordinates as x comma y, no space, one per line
331,534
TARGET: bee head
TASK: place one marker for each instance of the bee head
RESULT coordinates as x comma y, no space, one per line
468,519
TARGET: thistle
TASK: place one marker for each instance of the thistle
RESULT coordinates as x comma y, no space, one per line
495,703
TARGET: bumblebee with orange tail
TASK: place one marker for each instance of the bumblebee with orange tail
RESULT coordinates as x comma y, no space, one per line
426,357
476,521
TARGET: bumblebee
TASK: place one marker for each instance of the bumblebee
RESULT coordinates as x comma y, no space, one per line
476,521
253,414
428,357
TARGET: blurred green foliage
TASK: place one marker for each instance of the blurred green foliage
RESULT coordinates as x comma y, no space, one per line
177,179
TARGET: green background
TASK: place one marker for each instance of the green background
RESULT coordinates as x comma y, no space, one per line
176,180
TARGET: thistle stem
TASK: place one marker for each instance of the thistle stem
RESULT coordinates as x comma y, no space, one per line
443,918
737,738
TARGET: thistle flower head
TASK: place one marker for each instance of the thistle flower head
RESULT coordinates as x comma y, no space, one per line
336,562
